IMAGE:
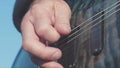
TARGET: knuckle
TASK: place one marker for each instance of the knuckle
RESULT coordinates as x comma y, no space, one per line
42,29
34,8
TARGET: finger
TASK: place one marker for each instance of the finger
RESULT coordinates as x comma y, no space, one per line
44,28
62,17
42,51
32,44
52,64
45,64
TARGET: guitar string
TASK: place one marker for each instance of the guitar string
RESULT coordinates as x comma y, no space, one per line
88,23
95,25
88,29
97,14
94,20
85,31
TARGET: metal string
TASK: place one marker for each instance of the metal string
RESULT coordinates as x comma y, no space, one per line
89,28
91,21
97,14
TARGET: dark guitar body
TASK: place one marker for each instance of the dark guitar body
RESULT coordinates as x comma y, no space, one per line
94,41
105,36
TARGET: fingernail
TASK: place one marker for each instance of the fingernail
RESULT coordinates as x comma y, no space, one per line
55,56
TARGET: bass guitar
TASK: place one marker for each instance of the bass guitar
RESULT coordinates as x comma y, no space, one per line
94,40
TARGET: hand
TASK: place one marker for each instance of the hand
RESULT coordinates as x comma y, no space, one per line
48,20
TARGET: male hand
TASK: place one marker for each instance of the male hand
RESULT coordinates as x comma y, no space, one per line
48,20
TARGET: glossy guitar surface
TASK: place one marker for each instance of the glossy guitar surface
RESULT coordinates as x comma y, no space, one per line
95,38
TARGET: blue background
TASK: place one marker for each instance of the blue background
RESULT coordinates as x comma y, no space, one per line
10,39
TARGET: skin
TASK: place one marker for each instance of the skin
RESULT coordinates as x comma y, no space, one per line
46,20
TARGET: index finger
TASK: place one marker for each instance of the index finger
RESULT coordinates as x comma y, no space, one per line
62,17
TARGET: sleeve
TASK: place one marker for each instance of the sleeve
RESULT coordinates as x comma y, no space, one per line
20,8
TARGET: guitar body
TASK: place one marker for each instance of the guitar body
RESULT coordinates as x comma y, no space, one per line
95,39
